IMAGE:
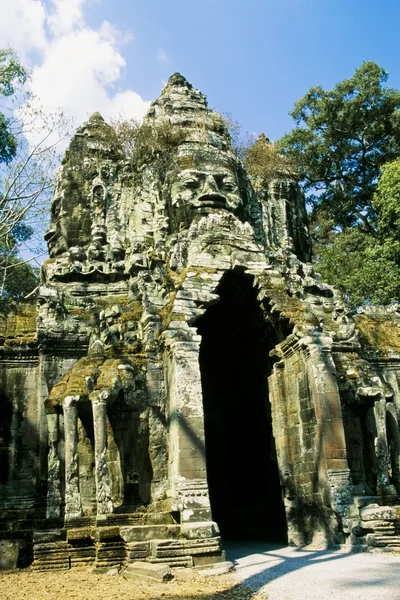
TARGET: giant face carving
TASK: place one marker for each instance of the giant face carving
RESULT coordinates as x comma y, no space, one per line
207,185
70,221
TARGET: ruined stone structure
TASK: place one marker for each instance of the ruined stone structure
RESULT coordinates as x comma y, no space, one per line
185,372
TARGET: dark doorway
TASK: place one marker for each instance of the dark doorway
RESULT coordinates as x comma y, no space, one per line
245,491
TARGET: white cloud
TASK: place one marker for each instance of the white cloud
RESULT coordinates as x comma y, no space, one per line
64,16
22,25
75,66
110,33
128,105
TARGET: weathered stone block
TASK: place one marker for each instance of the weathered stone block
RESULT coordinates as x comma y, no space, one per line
148,571
149,532
9,553
374,512
199,530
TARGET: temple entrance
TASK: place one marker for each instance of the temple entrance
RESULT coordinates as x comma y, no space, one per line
242,471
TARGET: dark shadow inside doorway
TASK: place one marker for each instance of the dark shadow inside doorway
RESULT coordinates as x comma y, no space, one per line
245,491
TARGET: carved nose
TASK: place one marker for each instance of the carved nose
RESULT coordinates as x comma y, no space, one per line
49,234
211,194
210,187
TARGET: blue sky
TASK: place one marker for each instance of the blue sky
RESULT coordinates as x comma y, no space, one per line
252,58
255,58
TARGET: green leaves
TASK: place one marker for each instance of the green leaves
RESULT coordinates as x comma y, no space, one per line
8,141
386,200
343,138
11,73
366,270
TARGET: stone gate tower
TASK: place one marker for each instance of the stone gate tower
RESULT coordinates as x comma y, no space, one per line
185,372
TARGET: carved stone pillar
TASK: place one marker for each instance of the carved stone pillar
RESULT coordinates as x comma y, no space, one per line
187,461
53,509
103,487
73,505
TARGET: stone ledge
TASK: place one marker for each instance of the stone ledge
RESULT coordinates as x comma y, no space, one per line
148,571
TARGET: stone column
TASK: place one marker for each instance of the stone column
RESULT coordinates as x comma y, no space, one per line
73,505
53,509
103,488
321,467
326,402
187,461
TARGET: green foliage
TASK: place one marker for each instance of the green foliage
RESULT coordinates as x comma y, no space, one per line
8,141
17,277
28,159
386,200
365,269
343,137
27,170
367,265
11,73
342,141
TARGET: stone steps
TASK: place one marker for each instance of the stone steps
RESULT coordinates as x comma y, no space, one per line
112,546
383,541
382,526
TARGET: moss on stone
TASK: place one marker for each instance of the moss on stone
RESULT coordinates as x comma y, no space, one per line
74,383
18,327
19,342
77,311
166,312
289,307
379,333
134,313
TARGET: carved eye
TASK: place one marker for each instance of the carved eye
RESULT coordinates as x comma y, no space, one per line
190,183
56,208
229,186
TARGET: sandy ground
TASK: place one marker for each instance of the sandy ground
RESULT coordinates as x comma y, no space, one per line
273,573
83,585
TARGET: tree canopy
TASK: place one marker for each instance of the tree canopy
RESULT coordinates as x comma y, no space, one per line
11,74
341,141
25,178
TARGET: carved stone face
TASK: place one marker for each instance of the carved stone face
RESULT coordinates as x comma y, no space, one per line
209,186
70,222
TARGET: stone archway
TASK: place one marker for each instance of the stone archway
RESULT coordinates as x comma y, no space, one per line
245,491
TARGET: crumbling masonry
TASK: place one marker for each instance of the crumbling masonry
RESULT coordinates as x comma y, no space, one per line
185,373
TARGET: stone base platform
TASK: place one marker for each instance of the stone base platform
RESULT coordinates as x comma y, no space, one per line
110,546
